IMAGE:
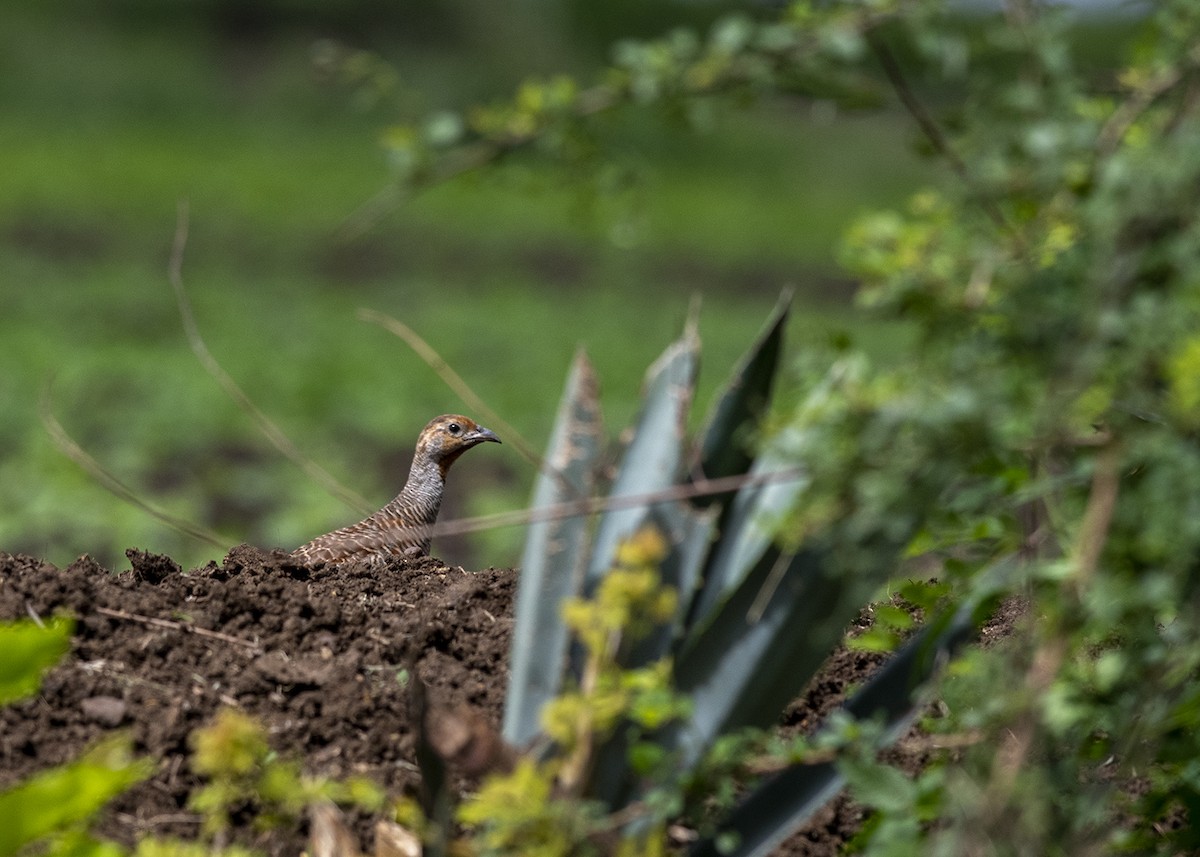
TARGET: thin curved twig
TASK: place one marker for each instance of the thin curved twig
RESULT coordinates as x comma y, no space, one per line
270,430
929,126
1140,100
67,445
185,627
453,380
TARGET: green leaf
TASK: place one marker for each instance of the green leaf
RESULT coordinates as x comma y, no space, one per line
27,651
880,786
80,844
65,797
552,564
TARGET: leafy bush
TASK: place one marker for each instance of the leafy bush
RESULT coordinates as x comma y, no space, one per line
1042,440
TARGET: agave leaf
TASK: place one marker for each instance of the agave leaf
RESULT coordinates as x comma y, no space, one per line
762,643
738,413
725,451
689,531
555,551
652,460
772,811
747,529
750,521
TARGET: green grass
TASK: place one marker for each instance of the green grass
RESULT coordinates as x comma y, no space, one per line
105,131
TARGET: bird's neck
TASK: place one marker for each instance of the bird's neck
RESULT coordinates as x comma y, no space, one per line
422,492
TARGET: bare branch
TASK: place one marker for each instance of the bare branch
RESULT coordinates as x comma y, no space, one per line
1123,118
1097,517
929,127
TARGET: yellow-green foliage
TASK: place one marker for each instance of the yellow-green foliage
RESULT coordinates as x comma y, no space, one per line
1183,373
518,814
234,755
629,600
27,650
56,805
628,603
179,848
53,808
233,746
536,809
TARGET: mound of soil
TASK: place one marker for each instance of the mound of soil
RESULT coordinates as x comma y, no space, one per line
317,656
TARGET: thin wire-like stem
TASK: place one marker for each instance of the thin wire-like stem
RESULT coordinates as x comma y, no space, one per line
593,505
270,430
458,526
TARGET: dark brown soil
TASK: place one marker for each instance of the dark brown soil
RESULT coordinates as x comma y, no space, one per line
314,655
317,656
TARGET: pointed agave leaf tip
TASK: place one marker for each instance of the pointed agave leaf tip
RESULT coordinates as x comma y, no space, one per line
738,412
736,417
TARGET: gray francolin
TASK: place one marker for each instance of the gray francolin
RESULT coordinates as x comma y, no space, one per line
403,528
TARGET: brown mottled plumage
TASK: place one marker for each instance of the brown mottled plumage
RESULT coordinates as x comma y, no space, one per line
402,527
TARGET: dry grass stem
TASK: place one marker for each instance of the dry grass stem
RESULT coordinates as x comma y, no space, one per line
593,505
463,390
68,447
270,430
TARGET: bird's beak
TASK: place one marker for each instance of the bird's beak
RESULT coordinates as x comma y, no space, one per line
481,434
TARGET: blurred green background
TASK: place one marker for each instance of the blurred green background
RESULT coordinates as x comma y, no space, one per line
267,121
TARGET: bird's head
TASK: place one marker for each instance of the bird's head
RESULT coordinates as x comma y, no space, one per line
449,436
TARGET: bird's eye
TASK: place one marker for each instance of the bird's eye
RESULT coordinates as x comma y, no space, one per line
454,429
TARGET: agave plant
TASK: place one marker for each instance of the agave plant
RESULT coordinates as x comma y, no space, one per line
753,621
